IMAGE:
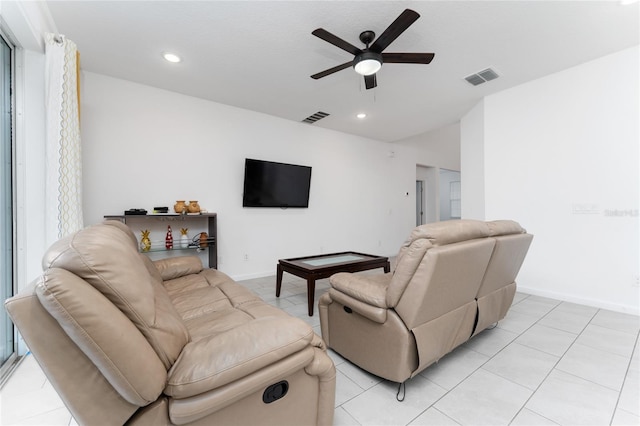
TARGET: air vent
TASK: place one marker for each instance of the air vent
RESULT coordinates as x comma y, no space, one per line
315,117
482,77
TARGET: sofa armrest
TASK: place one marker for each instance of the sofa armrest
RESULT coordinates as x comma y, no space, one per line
220,359
176,267
374,313
370,289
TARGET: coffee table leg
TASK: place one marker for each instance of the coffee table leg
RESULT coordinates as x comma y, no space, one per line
387,267
311,293
278,280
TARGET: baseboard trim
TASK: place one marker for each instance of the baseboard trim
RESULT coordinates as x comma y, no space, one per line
626,309
243,277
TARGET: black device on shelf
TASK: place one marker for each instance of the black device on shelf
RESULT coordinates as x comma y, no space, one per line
270,184
135,212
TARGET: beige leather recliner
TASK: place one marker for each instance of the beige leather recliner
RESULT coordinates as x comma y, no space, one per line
452,280
125,340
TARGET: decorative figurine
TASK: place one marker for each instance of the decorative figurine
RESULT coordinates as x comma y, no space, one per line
180,207
168,241
193,207
184,239
145,242
204,239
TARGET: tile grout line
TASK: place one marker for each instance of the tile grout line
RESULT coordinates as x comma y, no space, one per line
626,374
466,377
483,364
555,365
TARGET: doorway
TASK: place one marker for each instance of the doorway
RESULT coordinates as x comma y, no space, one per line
450,202
429,201
437,194
419,202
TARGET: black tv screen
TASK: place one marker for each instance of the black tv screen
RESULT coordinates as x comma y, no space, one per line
270,184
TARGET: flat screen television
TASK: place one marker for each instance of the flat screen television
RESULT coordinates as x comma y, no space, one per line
270,184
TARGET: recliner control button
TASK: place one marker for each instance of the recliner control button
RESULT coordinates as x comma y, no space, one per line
275,392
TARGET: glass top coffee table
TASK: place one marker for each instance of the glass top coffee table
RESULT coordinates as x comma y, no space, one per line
313,268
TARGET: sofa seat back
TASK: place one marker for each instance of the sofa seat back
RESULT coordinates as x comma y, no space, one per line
438,301
498,284
116,347
91,255
97,274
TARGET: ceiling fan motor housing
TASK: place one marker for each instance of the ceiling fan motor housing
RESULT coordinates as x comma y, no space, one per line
367,37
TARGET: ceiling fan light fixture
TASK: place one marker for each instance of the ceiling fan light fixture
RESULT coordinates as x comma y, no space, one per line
367,63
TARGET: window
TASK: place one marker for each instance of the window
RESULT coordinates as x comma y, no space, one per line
7,346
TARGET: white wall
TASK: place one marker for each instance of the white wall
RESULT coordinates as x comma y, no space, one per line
472,163
562,158
438,148
145,147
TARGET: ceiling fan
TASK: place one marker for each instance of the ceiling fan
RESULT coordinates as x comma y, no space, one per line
369,60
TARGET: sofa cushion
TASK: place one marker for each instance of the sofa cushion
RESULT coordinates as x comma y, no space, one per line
220,359
124,228
450,231
92,253
116,347
370,288
374,313
408,260
175,267
504,227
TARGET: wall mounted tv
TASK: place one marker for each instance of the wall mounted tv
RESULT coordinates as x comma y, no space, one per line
270,184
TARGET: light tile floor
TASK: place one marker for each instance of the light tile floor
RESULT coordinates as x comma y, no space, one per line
548,362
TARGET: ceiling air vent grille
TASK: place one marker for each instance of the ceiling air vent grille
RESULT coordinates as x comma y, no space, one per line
315,117
482,77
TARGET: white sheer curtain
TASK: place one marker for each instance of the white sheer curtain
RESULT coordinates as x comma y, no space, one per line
63,148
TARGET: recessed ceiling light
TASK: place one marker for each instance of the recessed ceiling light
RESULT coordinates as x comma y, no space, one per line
627,2
361,115
171,57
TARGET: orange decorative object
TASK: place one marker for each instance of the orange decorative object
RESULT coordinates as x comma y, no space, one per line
204,239
193,207
180,207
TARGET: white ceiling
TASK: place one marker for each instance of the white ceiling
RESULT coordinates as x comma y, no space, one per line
258,55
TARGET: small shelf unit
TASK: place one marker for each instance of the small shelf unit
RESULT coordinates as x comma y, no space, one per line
212,231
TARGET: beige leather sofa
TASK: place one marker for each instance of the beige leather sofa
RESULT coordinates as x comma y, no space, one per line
452,280
127,340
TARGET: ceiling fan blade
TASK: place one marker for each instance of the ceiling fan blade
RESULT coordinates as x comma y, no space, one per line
332,70
336,41
370,81
407,58
396,28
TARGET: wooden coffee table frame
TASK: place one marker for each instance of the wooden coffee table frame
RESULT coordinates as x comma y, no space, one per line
299,268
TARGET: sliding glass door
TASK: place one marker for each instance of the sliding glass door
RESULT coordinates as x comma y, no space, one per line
6,200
